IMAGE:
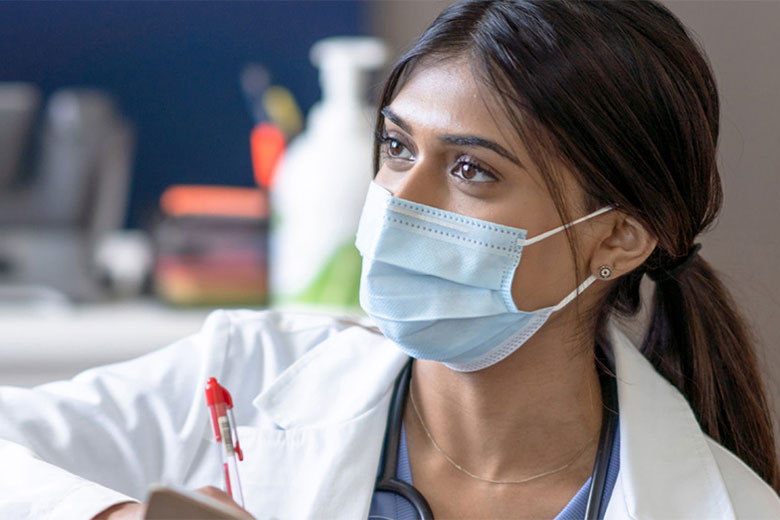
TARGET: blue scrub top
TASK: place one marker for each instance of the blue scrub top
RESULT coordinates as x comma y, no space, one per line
390,506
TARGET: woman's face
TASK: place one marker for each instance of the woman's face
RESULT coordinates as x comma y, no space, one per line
447,144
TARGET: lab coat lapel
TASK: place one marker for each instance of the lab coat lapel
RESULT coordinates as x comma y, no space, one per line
666,467
319,457
319,454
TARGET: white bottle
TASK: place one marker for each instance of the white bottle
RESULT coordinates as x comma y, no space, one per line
321,183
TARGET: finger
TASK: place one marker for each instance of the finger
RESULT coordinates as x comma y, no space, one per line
226,499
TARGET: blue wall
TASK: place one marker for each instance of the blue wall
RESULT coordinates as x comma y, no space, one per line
174,69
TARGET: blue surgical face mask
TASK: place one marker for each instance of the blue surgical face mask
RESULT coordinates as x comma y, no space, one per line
439,284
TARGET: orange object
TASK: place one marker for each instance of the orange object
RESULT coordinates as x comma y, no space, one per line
267,145
223,201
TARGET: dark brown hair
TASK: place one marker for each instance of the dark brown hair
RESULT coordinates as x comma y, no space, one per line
620,94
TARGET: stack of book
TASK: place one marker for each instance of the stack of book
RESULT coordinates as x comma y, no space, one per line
212,246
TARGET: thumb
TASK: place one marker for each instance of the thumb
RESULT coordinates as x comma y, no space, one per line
227,500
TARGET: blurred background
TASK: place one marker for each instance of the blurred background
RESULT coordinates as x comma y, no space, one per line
161,159
137,145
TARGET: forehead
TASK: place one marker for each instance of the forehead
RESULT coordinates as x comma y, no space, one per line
445,96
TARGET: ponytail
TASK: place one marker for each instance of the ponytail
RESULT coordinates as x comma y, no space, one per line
700,343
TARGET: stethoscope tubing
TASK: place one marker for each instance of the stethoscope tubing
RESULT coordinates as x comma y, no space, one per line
596,507
387,481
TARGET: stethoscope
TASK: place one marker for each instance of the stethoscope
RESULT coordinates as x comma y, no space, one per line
386,481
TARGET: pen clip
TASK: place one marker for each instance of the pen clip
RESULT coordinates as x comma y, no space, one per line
234,430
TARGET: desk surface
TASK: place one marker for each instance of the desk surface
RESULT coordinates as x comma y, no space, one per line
57,341
39,345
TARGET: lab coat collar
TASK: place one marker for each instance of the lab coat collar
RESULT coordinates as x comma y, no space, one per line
329,411
356,366
667,469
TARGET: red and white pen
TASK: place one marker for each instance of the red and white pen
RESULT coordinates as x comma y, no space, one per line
221,407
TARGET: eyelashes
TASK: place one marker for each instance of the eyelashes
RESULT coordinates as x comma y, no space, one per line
466,169
392,147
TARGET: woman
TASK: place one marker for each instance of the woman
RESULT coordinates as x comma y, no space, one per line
534,162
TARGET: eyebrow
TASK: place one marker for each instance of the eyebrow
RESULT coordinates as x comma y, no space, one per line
459,140
395,118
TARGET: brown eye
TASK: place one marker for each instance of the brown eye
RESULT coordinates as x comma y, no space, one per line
395,148
467,171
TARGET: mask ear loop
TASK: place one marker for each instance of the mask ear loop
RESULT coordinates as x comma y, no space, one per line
537,238
576,292
590,279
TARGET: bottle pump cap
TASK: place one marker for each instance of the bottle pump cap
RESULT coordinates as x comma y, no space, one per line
344,63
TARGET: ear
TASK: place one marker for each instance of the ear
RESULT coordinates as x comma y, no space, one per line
625,246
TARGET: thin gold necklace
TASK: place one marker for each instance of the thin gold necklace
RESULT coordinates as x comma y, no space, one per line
485,479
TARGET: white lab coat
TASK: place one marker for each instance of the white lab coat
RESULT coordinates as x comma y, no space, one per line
311,397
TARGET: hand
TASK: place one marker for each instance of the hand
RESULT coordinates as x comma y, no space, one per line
136,511
218,494
123,511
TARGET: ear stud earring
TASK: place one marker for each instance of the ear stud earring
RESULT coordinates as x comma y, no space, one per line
605,272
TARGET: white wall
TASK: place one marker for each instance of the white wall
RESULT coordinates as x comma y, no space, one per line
743,44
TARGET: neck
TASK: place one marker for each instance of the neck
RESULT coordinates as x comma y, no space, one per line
533,412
